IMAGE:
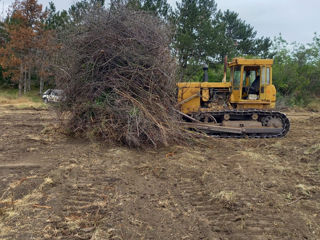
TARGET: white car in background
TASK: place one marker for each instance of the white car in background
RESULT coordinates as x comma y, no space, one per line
53,96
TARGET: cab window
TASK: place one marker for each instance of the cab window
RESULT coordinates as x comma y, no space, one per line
244,78
268,76
236,77
231,74
252,76
263,75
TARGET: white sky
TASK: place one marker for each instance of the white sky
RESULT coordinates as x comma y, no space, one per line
296,20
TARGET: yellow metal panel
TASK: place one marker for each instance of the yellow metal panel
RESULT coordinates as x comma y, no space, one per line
188,84
205,94
250,62
236,90
255,105
215,84
204,84
272,105
271,93
250,106
251,102
234,97
189,89
263,71
192,105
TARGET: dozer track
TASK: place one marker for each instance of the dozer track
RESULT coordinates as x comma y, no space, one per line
216,128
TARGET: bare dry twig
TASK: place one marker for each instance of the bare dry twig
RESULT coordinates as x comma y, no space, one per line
120,84
41,206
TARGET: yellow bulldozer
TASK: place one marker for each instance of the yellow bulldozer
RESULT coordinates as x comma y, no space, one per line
241,107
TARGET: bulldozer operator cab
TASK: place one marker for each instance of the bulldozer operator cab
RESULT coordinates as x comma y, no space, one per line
237,108
251,81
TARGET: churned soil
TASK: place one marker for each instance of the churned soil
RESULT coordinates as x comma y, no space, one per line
56,187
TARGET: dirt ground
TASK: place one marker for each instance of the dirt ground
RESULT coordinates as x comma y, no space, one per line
55,187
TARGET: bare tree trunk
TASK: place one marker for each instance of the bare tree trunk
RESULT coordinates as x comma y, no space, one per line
29,80
41,84
24,81
20,79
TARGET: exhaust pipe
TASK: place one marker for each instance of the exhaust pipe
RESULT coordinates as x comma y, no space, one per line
225,69
205,74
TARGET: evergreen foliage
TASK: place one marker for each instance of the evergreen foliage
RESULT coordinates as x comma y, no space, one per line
206,35
160,8
56,19
235,37
201,34
194,41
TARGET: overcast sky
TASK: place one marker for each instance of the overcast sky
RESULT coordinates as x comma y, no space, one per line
296,20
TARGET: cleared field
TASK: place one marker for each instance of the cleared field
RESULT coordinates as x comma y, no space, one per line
10,98
54,187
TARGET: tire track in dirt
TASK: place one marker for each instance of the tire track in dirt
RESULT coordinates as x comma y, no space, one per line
241,199
19,133
21,145
226,217
230,190
83,204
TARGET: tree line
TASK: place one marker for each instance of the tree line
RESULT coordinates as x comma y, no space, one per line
201,33
296,70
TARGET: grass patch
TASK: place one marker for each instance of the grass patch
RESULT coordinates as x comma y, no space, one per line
225,196
9,93
313,149
314,105
10,97
306,102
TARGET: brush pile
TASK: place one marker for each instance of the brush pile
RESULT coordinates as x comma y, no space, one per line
120,81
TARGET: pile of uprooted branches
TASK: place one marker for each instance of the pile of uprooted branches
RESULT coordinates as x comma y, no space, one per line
120,81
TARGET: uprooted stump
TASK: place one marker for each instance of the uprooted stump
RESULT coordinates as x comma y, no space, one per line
120,81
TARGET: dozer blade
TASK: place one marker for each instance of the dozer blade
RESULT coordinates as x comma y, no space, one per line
222,129
213,127
263,130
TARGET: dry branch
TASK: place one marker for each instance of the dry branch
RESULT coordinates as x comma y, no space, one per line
120,81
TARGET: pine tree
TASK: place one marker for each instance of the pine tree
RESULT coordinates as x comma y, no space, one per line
235,37
56,19
160,8
81,8
194,39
